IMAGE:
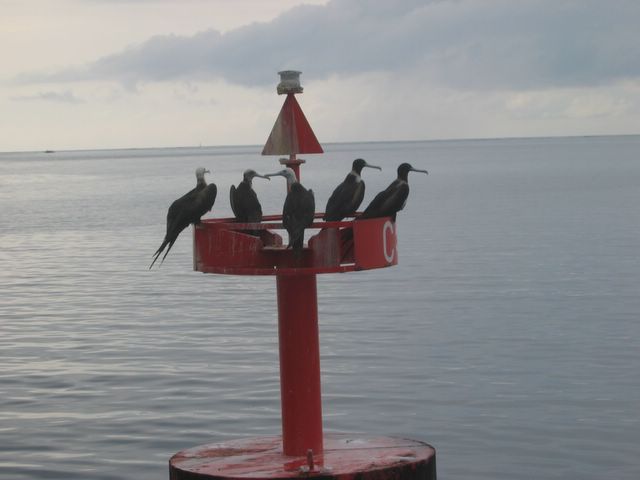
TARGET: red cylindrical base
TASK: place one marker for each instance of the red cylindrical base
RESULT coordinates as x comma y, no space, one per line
299,364
345,457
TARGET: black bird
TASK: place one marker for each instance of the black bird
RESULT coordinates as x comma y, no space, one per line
347,197
244,201
299,209
187,209
393,199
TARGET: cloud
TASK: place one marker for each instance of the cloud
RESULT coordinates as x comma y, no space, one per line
60,97
462,44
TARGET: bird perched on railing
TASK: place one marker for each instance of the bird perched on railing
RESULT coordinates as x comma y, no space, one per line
393,199
299,209
187,209
244,201
347,197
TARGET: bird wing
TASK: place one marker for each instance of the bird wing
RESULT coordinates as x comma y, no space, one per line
388,202
288,211
344,200
177,219
309,208
357,197
374,206
188,210
199,205
246,206
178,205
298,212
179,213
182,212
395,200
299,207
232,194
206,199
332,211
253,207
176,223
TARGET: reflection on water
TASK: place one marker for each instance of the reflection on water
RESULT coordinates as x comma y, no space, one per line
508,335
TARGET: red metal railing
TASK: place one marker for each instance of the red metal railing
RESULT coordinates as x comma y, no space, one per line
222,246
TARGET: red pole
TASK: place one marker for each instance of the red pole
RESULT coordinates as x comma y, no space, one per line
294,164
299,364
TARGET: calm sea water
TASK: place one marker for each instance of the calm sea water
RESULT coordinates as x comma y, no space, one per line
508,336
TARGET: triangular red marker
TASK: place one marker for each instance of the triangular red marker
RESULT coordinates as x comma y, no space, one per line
291,134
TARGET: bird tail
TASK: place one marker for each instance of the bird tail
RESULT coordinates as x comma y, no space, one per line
296,239
158,252
297,244
165,253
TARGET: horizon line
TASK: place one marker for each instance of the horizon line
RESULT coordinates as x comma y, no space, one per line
466,139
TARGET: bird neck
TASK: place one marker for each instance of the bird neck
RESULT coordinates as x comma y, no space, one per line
357,169
356,176
403,177
201,182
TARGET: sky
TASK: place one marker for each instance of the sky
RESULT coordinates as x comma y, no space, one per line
87,74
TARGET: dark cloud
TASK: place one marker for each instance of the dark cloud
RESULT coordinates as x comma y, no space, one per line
60,97
460,43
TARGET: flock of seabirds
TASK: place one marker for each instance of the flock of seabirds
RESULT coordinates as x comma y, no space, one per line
299,206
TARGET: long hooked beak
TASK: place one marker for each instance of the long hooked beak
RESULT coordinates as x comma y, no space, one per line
373,166
206,171
421,171
276,174
263,176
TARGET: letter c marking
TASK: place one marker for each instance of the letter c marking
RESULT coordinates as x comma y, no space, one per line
388,256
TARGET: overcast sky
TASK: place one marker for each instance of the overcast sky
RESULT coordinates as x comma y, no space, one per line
136,73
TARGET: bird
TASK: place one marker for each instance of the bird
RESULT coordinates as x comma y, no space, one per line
299,209
187,209
347,197
393,199
244,201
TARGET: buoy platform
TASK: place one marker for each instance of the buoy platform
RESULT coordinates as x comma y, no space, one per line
345,457
223,246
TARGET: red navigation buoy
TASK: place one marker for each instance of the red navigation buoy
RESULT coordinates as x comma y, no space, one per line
221,246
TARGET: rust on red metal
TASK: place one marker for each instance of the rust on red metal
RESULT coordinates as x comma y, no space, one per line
221,246
291,134
345,457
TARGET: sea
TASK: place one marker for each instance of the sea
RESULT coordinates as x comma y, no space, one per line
508,335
